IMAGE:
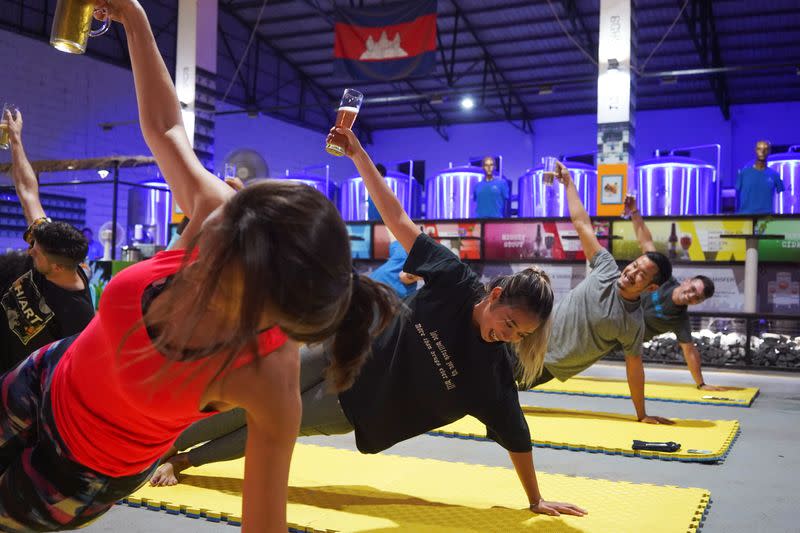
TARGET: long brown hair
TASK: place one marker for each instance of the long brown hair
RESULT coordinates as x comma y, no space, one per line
277,249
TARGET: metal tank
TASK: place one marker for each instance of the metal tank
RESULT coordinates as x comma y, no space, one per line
788,166
353,199
539,200
149,210
676,185
324,185
448,194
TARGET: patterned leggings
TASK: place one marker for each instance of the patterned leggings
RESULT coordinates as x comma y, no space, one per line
41,488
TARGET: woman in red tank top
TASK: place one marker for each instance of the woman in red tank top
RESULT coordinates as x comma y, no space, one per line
186,334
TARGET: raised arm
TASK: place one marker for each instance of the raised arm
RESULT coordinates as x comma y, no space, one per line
22,173
578,215
641,230
197,191
392,213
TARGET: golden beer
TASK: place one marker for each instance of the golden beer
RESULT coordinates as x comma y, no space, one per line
72,26
5,142
345,118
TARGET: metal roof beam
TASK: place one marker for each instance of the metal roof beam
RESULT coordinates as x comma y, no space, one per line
706,41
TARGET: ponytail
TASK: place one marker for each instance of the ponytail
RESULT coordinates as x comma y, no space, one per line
372,307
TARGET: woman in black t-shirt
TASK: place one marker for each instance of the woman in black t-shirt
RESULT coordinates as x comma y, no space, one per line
443,358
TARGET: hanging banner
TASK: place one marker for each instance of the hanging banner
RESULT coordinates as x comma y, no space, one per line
385,42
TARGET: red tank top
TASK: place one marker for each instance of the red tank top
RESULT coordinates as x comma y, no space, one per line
111,417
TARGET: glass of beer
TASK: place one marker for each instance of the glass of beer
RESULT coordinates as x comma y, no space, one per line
549,169
72,26
345,117
5,138
628,205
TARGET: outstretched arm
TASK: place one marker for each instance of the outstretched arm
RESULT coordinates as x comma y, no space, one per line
523,464
197,191
641,230
577,213
22,173
390,209
634,368
693,362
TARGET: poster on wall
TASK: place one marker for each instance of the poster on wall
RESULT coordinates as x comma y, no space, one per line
462,238
686,240
563,278
786,249
778,289
360,240
537,240
728,286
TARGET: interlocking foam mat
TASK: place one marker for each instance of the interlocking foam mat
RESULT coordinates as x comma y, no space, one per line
339,490
654,390
613,434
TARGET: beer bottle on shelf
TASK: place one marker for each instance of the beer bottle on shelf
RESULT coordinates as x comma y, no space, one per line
673,243
537,243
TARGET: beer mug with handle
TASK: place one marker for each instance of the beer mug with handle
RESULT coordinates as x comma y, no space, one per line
5,139
72,26
345,118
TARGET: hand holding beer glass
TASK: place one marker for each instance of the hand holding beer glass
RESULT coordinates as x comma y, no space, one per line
549,170
72,25
629,207
5,127
345,117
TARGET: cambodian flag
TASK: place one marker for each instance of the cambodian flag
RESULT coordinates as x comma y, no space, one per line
386,42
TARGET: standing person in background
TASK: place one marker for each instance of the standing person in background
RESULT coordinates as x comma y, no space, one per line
757,185
490,194
666,309
95,248
51,299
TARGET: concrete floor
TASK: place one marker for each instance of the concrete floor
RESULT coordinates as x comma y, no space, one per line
754,490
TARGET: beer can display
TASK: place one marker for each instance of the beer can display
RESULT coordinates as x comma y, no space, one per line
354,198
538,199
675,185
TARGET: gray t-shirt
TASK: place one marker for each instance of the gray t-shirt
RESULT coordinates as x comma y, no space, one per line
592,320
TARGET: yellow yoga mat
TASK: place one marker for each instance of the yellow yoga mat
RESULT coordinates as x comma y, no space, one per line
613,434
338,490
654,390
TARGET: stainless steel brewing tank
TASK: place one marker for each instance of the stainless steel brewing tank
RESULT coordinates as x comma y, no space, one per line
788,166
448,194
330,189
354,199
674,185
539,200
149,210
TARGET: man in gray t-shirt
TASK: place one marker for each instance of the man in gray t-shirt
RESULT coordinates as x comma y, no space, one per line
604,310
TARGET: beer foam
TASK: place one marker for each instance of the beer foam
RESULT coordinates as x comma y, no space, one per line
349,109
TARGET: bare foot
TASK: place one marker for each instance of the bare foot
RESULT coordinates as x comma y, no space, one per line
166,474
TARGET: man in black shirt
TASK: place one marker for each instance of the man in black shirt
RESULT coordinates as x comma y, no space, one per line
666,309
50,299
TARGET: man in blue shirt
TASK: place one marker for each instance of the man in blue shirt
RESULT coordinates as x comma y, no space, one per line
758,184
490,195
391,272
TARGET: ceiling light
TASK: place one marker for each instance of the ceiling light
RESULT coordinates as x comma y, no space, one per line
467,103
103,173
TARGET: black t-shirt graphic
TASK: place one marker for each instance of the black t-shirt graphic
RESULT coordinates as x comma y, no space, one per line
661,315
431,367
37,312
